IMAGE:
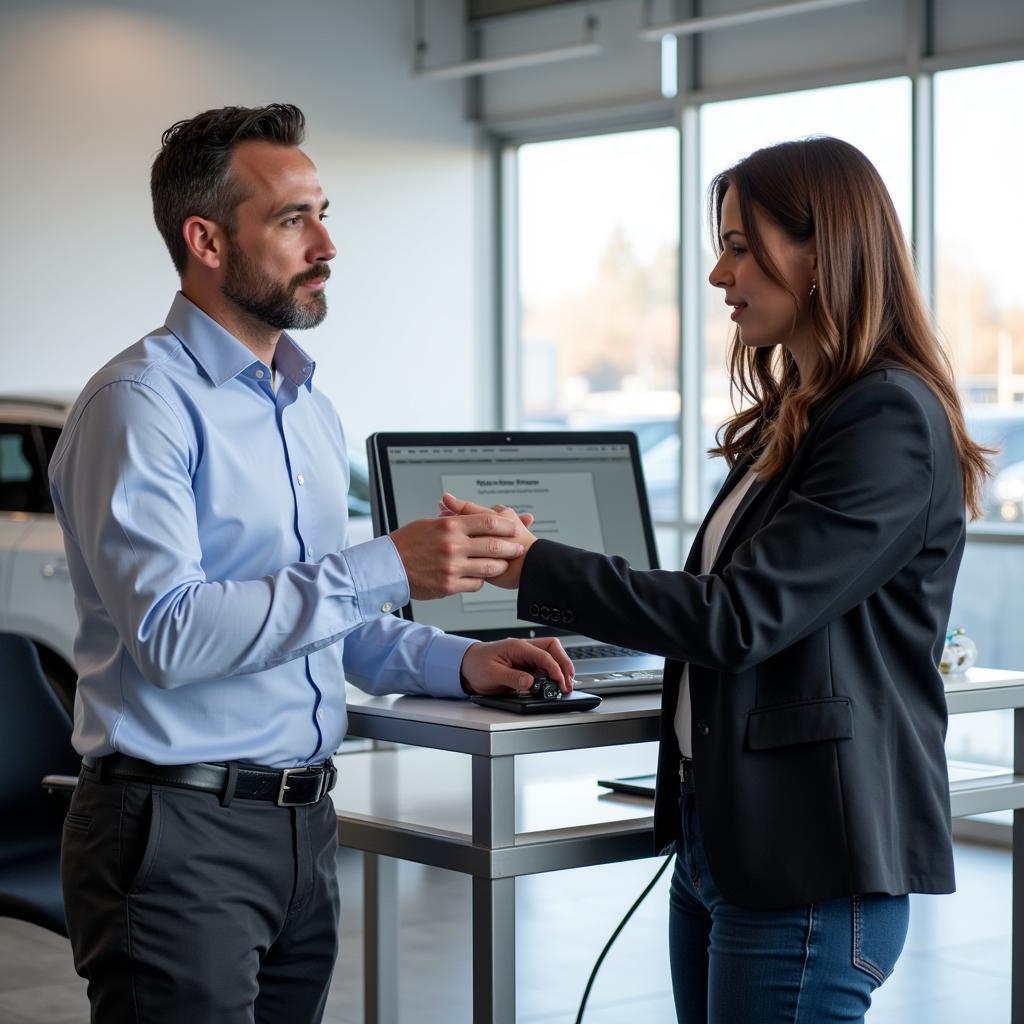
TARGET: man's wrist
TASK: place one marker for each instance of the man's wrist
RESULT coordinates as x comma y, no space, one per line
467,686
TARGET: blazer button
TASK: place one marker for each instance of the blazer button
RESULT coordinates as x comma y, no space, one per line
556,615
535,610
545,612
702,728
568,616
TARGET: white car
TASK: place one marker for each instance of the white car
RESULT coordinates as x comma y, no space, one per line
1002,426
36,599
35,592
1007,492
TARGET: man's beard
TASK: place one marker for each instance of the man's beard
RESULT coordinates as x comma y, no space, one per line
269,301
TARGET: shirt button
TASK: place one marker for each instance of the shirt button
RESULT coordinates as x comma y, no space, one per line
259,375
386,606
309,550
300,479
320,713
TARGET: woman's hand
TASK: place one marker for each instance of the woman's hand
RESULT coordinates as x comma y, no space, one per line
509,579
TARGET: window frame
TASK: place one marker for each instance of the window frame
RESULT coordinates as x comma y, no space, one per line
684,114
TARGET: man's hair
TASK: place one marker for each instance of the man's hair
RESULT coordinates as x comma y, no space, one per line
191,174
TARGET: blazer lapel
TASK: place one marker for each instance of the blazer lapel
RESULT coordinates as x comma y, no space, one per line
745,505
736,474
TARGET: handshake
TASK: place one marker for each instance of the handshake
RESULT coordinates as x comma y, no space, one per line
465,547
455,554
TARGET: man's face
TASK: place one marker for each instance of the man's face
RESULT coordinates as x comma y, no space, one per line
278,253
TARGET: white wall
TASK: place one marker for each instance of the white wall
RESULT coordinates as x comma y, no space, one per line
88,88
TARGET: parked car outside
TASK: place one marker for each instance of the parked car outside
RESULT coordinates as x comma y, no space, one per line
36,599
1001,426
1008,495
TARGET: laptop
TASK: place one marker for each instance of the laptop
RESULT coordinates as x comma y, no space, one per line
584,489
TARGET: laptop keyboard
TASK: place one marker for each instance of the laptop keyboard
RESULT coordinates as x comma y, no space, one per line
601,651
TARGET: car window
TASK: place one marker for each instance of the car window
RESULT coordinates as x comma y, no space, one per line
23,486
50,435
14,467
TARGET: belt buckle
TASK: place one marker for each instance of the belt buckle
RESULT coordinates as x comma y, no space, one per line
286,774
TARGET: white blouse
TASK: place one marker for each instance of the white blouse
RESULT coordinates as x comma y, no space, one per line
709,552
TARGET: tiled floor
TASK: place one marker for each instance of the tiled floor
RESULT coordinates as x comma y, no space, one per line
955,968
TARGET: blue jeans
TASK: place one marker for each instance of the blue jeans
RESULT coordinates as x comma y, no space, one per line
811,964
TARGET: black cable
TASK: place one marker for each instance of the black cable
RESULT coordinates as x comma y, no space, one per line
615,934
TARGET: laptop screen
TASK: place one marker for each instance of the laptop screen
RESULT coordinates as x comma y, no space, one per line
584,489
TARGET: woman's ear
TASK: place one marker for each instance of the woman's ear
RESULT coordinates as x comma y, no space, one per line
811,251
811,256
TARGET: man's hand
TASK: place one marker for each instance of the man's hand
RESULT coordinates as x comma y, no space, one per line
455,554
456,508
512,664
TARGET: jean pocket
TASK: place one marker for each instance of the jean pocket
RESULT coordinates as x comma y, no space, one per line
139,840
879,931
74,822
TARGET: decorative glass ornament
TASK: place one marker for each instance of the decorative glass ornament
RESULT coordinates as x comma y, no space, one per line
959,653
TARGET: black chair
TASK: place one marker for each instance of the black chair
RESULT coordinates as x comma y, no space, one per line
35,740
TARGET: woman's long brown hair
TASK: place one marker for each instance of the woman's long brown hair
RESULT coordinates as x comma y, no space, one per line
866,313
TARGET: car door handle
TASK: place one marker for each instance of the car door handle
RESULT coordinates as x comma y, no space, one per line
57,569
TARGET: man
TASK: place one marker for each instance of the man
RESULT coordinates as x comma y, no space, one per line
200,483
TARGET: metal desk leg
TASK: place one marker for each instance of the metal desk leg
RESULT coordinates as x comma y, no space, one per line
494,951
494,899
1017,912
380,939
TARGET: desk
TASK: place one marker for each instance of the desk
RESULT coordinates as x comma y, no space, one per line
427,807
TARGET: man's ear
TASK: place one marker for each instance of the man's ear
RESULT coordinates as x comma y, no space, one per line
206,241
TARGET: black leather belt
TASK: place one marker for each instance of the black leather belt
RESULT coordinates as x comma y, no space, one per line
287,787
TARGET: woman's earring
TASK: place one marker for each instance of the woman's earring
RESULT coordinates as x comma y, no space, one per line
813,291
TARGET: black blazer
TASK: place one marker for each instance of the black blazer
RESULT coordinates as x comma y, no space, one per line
819,714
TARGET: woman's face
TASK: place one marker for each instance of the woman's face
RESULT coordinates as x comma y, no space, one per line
764,312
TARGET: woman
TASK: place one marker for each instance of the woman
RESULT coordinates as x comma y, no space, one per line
801,776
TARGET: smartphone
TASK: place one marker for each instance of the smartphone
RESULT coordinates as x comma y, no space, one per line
575,701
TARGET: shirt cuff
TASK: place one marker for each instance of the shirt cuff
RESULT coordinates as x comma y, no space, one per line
442,665
378,577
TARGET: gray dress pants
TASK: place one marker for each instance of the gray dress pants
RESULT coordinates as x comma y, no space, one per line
183,910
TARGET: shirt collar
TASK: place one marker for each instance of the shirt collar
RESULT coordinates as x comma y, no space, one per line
291,360
222,356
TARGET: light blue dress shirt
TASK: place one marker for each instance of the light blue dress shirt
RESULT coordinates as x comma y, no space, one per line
205,522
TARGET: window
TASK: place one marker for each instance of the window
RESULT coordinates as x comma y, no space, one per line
979,216
598,230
